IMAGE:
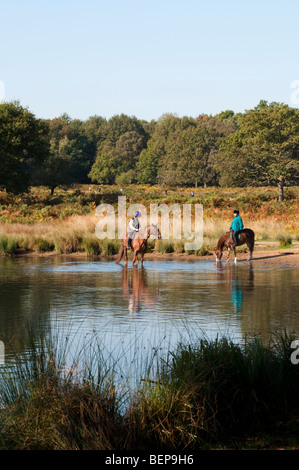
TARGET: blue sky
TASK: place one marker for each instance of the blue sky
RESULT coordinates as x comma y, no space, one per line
146,58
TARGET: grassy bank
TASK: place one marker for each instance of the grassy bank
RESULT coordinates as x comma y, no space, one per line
208,395
65,222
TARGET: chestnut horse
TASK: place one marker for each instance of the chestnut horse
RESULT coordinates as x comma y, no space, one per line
246,236
139,243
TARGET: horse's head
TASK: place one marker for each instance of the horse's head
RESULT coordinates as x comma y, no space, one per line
218,254
154,230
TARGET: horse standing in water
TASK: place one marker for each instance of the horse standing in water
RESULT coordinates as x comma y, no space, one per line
139,243
246,236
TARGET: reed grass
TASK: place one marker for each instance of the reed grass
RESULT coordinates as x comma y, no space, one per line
164,246
285,241
8,245
91,246
66,223
217,390
203,394
49,404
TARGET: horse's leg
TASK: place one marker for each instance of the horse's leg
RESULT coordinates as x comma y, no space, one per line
228,254
250,247
135,257
126,254
141,257
235,254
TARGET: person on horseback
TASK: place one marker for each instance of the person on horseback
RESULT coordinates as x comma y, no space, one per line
134,226
236,226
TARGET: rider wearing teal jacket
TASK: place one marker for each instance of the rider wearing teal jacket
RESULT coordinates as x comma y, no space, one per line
236,226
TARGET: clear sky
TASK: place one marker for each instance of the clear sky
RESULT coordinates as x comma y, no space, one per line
146,58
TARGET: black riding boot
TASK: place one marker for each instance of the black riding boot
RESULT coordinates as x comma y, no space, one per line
233,235
129,247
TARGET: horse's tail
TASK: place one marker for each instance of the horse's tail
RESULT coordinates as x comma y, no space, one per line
120,255
251,234
253,240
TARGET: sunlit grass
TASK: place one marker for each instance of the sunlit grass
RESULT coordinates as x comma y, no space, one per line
66,222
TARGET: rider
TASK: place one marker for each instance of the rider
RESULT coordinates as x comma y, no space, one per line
236,226
134,226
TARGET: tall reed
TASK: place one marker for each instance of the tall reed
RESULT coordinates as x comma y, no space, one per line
202,393
49,403
8,245
217,389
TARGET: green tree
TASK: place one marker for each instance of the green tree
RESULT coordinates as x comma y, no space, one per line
56,170
196,147
264,150
82,152
166,146
81,147
147,166
105,167
118,125
23,143
181,150
119,152
95,129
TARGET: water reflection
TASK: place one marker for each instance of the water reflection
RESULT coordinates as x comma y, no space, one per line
238,282
136,290
162,296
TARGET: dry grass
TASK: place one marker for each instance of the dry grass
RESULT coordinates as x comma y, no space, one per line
41,223
77,233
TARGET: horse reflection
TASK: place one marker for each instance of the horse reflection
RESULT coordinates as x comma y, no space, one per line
136,290
237,283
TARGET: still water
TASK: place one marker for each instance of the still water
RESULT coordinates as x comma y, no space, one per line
156,306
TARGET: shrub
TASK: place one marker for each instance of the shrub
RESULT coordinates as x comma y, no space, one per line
215,390
46,407
150,245
204,392
67,242
202,251
285,241
91,246
44,245
164,246
109,247
178,246
8,245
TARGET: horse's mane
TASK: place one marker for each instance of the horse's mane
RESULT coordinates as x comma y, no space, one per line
145,229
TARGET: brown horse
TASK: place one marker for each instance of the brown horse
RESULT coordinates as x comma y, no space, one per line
139,243
246,236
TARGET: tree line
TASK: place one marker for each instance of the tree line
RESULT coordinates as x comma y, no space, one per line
257,147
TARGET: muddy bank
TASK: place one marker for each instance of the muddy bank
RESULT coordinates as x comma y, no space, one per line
276,256
263,253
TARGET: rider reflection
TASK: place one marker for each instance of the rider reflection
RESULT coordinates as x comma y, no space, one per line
238,283
237,295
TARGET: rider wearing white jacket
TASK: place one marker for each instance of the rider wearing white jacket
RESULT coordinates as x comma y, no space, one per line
133,227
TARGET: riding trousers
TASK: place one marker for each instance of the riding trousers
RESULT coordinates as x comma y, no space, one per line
234,234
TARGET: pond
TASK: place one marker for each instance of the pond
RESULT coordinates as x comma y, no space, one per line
133,309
